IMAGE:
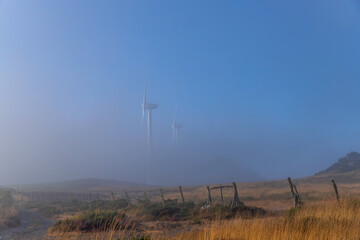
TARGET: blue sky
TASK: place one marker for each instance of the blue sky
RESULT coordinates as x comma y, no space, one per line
271,86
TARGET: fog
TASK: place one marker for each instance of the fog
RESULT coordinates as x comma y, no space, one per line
260,95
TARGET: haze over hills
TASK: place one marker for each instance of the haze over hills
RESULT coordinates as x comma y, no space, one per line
219,170
216,170
81,185
345,170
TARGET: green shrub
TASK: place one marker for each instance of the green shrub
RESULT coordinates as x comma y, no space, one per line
218,212
54,208
95,221
170,210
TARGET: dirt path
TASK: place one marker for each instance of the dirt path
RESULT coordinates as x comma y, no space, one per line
33,226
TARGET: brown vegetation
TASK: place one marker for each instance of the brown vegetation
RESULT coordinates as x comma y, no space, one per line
320,217
322,220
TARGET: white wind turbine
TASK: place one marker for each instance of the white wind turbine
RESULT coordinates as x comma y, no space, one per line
175,126
149,107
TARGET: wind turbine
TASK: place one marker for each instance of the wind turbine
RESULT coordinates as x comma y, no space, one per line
175,126
149,107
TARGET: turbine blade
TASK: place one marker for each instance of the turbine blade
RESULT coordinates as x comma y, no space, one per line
142,117
144,104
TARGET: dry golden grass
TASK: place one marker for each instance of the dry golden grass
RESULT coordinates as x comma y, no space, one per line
320,220
322,217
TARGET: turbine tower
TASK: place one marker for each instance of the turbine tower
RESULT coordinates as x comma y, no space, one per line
175,126
149,107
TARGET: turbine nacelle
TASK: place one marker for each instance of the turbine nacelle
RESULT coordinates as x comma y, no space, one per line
146,106
149,106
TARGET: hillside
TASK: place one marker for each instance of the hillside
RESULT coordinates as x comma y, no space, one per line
348,163
345,170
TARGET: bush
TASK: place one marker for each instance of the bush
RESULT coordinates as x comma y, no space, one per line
218,212
52,209
170,210
96,221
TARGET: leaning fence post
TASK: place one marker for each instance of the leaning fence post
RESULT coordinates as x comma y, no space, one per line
162,196
209,196
221,194
296,191
294,195
336,190
182,195
291,187
236,200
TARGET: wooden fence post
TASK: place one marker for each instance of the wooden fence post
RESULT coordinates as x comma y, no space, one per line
112,196
295,193
236,200
162,196
336,190
209,196
221,194
182,195
291,186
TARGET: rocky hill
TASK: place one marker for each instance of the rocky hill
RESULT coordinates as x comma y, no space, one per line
346,164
